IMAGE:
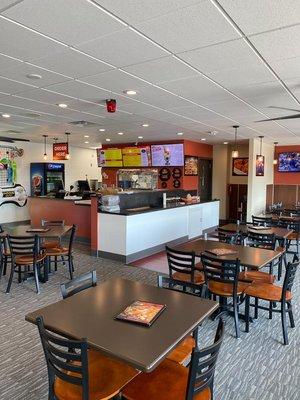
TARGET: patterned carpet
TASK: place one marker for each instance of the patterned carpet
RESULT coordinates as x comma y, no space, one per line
255,367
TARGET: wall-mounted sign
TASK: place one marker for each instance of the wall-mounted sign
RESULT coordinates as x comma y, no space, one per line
60,151
260,165
190,165
240,166
111,157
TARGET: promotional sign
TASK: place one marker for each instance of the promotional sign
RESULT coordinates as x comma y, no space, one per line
109,157
138,156
164,155
60,151
240,166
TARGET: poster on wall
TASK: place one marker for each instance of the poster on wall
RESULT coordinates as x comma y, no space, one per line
260,165
240,166
190,165
60,151
111,157
164,155
138,156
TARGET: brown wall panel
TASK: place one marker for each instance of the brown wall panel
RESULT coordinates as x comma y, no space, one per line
287,194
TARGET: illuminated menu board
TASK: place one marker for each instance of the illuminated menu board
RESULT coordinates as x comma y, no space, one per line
164,155
138,156
109,157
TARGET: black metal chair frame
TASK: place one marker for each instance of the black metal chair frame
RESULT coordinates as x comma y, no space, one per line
79,284
229,237
286,305
295,226
62,356
181,261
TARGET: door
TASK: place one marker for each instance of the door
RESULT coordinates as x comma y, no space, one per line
205,179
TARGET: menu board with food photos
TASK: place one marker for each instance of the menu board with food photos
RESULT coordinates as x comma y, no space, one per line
111,157
190,165
164,155
138,156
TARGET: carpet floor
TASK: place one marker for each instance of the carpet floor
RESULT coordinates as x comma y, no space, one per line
255,367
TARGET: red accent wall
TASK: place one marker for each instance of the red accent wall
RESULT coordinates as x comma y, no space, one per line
190,149
286,178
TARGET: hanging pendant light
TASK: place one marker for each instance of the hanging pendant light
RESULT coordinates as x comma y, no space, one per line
260,157
68,153
275,161
235,152
45,147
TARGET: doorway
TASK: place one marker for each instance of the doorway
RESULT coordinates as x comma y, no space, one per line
205,179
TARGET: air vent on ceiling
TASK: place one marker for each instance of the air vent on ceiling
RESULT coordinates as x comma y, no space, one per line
85,124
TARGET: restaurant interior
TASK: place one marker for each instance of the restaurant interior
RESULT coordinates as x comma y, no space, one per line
149,199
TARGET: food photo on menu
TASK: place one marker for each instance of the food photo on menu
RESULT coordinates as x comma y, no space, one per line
141,312
165,155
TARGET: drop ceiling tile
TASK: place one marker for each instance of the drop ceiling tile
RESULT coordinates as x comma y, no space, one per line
278,45
71,22
162,70
45,96
206,117
72,63
4,4
8,63
24,44
123,48
288,68
189,28
20,73
159,98
12,87
254,16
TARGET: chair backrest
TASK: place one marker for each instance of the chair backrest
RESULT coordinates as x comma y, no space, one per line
222,271
72,237
202,366
60,222
261,240
1,229
225,236
289,223
23,245
289,277
181,261
292,212
79,284
262,221
176,285
66,359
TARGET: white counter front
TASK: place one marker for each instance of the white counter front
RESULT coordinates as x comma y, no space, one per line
131,237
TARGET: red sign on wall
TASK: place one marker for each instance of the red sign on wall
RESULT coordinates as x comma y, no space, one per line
60,151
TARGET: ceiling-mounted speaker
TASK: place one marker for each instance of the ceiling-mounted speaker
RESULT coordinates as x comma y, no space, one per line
111,105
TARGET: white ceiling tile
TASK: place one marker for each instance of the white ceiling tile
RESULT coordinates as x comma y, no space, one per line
12,87
4,4
288,68
162,70
133,11
123,49
278,45
72,63
70,21
23,43
189,28
159,98
45,96
254,16
8,63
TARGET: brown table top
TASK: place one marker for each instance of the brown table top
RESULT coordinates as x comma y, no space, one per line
248,256
90,314
281,233
20,230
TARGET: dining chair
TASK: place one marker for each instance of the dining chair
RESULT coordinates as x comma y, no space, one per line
53,243
182,266
222,281
274,294
294,237
183,351
26,258
79,284
5,256
262,221
226,236
173,381
79,373
63,254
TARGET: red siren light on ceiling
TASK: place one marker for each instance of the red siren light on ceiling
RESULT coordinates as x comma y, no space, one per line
111,105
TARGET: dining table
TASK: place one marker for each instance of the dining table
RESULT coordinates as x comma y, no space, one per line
250,257
280,233
43,232
91,314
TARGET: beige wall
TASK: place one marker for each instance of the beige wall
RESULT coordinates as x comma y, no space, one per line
257,184
219,181
82,162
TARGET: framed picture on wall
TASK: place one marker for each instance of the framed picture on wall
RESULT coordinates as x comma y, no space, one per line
240,166
260,165
190,165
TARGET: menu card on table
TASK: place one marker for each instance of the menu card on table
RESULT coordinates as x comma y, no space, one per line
221,252
141,312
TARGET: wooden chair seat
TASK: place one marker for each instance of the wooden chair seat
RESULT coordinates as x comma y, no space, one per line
198,277
280,248
226,289
51,244
27,259
293,236
167,382
183,351
57,251
257,276
106,378
267,292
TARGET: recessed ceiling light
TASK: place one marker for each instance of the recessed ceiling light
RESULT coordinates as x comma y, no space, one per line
130,92
101,130
5,115
62,105
34,76
140,137
120,133
203,139
107,139
86,142
179,133
225,142
145,125
86,136
213,133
